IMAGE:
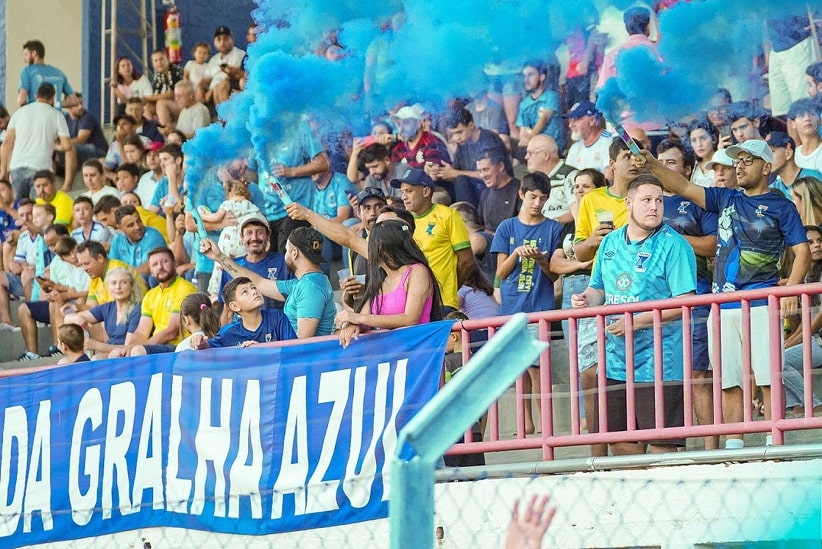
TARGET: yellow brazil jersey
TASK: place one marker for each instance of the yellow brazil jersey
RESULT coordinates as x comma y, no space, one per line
63,205
595,202
97,288
151,219
440,233
160,303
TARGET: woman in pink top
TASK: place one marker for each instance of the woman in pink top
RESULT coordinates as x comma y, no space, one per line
401,289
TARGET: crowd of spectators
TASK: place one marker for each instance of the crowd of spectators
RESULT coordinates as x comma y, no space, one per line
478,211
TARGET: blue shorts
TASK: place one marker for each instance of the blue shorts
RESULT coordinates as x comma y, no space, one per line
15,285
39,311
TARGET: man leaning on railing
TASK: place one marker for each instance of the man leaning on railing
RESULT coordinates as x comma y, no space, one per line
642,261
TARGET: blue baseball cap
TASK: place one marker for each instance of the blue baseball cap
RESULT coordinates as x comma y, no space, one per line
582,108
413,176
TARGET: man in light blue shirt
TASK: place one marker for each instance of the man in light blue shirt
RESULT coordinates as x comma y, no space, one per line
644,260
135,241
36,72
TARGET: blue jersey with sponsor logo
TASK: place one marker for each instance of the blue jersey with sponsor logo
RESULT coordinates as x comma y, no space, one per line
658,267
752,233
688,219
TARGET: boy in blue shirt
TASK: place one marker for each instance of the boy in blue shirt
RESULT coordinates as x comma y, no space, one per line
255,325
524,245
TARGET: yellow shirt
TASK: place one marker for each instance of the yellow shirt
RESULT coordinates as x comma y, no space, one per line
597,201
160,303
440,233
151,219
64,205
97,288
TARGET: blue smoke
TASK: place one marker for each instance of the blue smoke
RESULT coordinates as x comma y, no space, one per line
431,51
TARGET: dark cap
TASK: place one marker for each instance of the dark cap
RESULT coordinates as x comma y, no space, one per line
580,109
309,241
222,29
780,139
413,176
370,192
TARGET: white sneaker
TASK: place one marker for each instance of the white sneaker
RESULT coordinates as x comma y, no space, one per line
4,327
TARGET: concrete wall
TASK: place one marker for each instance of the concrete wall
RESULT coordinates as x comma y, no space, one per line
57,24
70,30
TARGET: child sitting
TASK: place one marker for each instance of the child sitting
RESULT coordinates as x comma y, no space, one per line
85,226
255,325
197,317
196,69
71,342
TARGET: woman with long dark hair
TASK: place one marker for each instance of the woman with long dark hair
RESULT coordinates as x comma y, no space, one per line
401,289
704,140
128,82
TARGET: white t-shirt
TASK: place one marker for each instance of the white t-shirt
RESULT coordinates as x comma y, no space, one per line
141,87
234,58
36,127
196,71
105,191
145,187
811,161
595,156
194,117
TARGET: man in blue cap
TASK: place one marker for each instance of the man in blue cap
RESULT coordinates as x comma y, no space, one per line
591,141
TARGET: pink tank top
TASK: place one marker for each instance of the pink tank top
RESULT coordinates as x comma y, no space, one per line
393,303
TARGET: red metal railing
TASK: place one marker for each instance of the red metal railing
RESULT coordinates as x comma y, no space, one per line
549,439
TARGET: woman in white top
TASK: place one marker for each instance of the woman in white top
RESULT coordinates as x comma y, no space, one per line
127,82
704,141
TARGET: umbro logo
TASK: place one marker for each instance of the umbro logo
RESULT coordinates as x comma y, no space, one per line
610,254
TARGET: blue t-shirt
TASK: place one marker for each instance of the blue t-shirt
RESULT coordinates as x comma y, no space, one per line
658,267
296,149
310,296
116,332
687,218
779,184
7,225
530,109
274,327
327,200
526,289
135,254
33,75
752,234
272,267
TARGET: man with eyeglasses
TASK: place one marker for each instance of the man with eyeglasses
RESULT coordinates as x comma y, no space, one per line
755,226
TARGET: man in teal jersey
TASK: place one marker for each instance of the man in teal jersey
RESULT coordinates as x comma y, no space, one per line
644,260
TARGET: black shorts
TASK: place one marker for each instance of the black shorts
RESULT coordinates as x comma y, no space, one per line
674,408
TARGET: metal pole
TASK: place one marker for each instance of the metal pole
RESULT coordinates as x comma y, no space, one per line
434,429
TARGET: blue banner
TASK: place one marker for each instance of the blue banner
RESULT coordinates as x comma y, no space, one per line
246,441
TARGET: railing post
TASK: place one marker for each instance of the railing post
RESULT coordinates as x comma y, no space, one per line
441,422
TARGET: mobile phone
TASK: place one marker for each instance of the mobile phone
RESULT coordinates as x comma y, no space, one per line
724,130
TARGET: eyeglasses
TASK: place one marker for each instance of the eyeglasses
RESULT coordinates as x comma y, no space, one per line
532,153
747,161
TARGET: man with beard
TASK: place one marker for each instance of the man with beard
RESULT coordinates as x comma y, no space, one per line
644,260
755,226
159,327
539,108
381,169
254,234
309,299
135,242
590,140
